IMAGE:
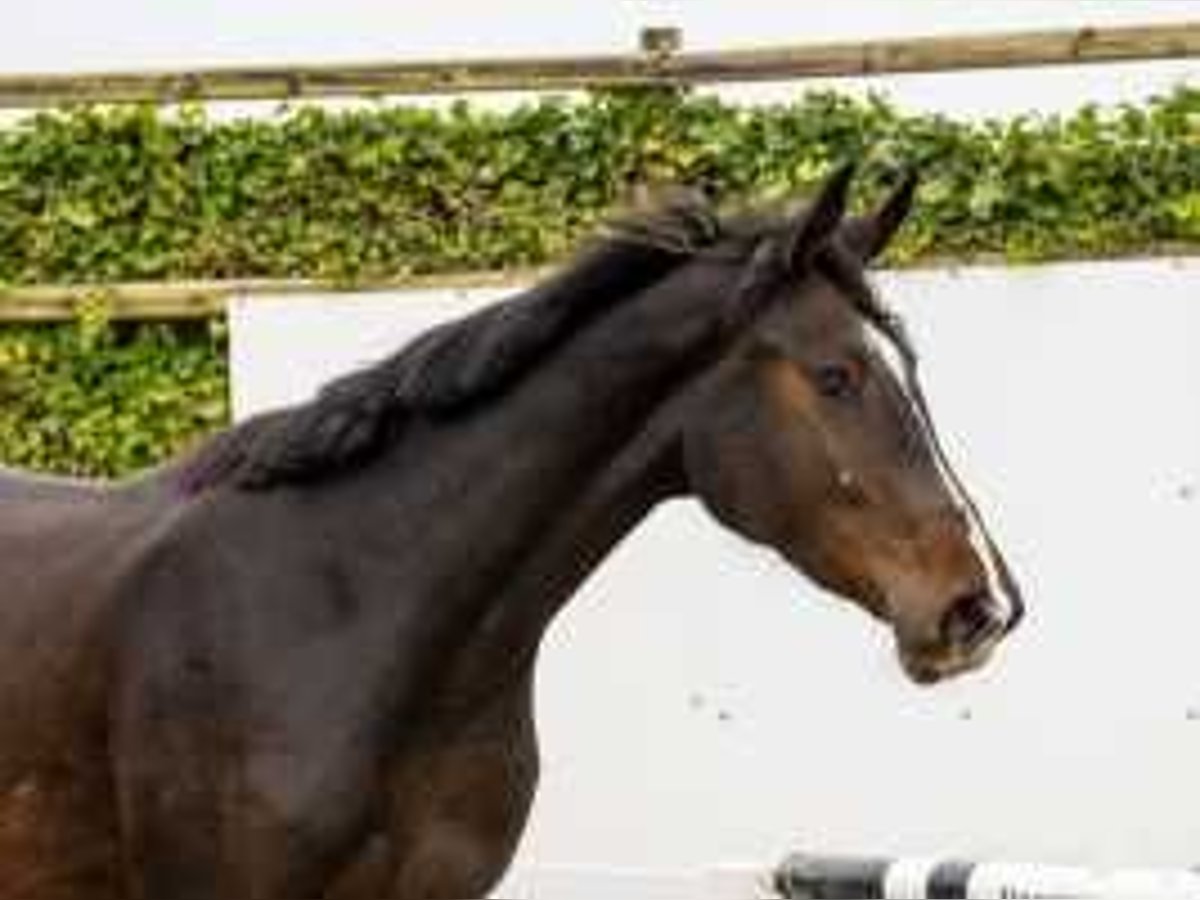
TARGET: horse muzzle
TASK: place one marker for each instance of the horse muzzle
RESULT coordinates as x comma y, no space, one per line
967,635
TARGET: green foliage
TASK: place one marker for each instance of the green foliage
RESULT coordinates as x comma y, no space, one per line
103,195
96,195
101,398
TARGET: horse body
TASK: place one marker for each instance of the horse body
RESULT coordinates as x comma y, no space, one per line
299,664
391,706
57,821
79,708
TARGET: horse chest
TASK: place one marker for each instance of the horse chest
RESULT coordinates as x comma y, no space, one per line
456,808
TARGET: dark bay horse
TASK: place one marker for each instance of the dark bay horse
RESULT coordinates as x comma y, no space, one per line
297,663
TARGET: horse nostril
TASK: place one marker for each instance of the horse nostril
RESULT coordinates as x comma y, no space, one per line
972,619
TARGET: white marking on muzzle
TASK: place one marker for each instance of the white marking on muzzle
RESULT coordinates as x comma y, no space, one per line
904,371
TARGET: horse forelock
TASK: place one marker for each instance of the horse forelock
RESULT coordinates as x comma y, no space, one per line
848,274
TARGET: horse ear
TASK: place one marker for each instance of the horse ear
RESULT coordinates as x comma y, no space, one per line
867,236
820,219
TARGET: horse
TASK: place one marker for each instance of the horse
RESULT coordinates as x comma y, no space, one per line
297,661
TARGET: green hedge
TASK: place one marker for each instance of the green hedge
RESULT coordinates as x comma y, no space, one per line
104,398
123,194
131,194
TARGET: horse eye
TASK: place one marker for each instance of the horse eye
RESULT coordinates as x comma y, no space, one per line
836,381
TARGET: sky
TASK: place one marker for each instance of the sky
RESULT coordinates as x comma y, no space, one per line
81,35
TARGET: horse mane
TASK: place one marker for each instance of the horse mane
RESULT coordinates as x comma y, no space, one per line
455,365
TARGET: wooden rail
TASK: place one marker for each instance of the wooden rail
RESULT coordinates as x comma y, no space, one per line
659,62
175,300
199,299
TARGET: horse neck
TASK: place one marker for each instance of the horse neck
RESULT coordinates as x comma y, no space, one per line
646,472
579,460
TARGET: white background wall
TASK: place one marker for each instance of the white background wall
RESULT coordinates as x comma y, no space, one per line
699,703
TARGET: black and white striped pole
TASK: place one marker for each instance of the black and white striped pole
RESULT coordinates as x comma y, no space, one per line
812,877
